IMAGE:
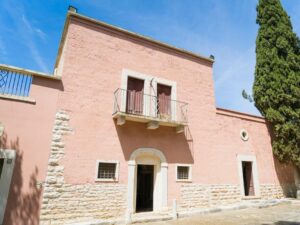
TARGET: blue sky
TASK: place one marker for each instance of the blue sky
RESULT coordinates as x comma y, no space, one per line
30,32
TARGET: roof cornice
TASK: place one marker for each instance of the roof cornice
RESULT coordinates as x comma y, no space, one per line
129,34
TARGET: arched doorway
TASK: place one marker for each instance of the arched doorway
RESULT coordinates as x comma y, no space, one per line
147,164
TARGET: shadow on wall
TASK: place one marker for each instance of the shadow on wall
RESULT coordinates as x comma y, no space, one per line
22,208
285,175
284,223
177,148
53,84
284,172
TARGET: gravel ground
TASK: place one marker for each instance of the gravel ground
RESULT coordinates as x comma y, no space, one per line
283,214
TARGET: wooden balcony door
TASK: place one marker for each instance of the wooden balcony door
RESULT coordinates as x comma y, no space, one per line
164,101
135,96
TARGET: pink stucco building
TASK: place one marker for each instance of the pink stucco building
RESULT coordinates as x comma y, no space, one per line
126,124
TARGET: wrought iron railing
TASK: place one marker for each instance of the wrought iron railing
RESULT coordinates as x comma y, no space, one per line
14,83
149,106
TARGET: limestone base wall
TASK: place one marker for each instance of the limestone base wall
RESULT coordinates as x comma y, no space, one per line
75,203
271,191
203,196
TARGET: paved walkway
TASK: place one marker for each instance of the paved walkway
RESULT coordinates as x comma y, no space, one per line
283,214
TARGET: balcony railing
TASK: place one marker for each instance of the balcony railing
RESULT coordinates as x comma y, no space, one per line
14,83
143,107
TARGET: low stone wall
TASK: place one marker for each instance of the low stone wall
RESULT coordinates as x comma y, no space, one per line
271,191
75,203
203,196
65,203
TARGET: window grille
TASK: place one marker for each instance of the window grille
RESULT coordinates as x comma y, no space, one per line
107,170
183,172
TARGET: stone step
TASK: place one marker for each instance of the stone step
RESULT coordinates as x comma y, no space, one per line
135,218
162,216
150,217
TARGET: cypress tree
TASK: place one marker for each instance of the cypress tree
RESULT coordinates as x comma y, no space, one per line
276,88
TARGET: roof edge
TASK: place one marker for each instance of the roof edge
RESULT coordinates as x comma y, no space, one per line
241,115
123,31
29,72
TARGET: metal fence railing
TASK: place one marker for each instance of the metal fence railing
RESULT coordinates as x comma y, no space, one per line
14,83
150,106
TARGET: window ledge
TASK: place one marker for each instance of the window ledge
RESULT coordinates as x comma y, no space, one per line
107,180
184,181
18,98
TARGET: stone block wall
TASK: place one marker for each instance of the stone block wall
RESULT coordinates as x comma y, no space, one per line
65,203
75,203
202,196
271,191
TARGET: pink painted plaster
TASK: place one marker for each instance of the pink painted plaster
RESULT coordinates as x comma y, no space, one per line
93,60
28,130
93,64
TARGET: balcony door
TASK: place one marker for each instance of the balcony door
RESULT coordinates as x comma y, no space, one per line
164,101
135,96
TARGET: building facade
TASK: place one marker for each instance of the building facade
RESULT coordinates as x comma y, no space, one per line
125,125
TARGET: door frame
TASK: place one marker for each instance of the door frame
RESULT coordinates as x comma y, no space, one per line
252,159
148,156
5,180
124,82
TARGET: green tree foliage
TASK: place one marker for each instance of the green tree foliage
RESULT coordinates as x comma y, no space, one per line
276,88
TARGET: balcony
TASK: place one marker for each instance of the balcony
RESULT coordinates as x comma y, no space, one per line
152,110
15,83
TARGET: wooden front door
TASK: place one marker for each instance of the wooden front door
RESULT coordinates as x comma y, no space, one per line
164,100
248,178
135,96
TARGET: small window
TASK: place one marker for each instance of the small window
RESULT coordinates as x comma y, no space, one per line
244,135
107,171
184,173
